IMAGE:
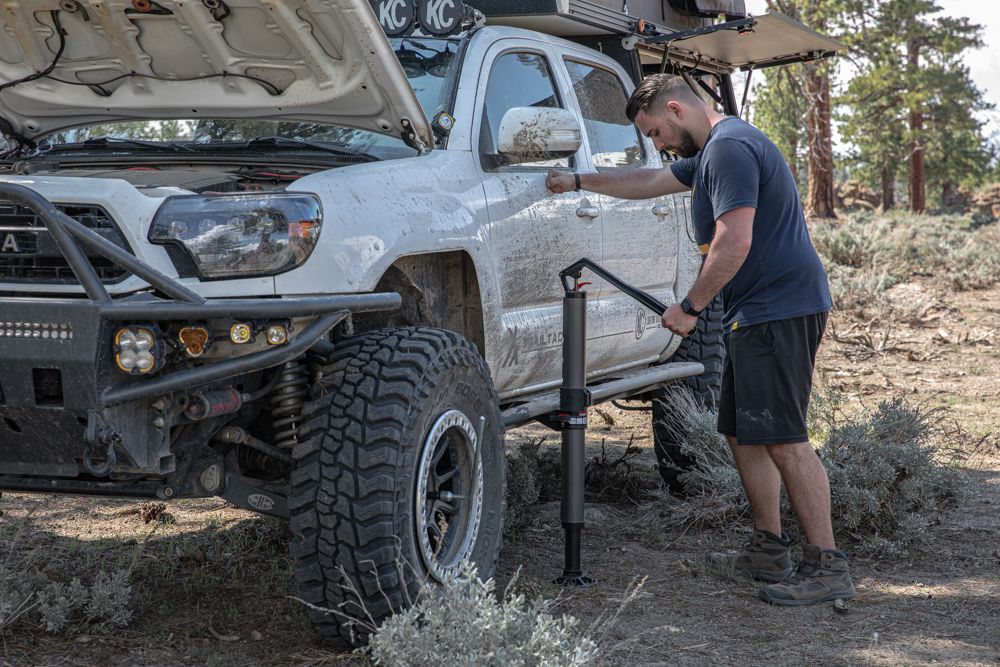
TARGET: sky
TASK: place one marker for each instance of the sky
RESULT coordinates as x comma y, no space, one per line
984,63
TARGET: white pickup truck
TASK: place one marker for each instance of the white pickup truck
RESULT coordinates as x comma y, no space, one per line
260,250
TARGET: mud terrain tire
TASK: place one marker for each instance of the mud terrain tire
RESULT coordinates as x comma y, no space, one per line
707,347
383,399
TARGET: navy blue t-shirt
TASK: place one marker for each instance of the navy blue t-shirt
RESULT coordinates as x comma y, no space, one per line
782,276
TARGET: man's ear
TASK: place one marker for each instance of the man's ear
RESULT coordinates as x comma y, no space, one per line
675,109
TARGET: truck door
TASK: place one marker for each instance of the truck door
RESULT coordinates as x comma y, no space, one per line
534,233
640,236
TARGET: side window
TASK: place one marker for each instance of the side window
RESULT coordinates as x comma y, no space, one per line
614,141
518,80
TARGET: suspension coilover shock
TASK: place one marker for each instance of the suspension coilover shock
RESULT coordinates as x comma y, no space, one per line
287,400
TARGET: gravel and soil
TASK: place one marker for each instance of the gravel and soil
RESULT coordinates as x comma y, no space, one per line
212,584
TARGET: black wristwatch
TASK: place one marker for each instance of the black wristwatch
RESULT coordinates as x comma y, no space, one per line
689,308
577,178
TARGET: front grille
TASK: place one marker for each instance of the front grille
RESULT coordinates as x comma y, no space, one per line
28,253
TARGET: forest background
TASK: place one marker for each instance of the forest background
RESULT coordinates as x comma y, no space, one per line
898,112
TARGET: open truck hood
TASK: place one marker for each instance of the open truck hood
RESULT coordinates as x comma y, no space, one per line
310,61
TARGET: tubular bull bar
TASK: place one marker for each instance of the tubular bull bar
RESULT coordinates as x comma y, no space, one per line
100,310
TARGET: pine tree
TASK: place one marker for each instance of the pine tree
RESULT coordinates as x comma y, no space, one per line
912,98
812,82
779,112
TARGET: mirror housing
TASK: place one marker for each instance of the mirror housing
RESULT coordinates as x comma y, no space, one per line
537,134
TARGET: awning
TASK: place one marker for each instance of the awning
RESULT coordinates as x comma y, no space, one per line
752,43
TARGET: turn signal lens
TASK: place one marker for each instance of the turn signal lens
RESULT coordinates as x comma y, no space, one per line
196,339
276,335
240,333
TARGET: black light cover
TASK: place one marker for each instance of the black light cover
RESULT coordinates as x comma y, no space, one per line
733,9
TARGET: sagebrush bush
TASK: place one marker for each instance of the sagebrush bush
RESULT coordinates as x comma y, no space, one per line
29,595
887,476
865,255
460,624
888,469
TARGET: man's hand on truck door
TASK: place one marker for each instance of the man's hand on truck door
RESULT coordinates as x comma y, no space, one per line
560,182
678,321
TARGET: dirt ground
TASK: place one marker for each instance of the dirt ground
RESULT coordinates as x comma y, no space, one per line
211,585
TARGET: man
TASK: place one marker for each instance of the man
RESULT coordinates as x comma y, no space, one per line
756,250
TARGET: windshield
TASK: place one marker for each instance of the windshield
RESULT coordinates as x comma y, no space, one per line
430,65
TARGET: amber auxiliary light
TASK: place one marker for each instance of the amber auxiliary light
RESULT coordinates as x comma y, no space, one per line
196,339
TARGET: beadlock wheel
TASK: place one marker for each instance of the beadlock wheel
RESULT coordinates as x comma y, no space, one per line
449,498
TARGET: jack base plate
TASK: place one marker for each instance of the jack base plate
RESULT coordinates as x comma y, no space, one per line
575,581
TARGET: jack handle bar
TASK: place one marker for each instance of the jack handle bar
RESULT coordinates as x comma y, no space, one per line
574,270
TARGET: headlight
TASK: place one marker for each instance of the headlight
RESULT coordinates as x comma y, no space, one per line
240,236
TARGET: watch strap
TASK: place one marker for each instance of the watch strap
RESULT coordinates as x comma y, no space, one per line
689,308
576,177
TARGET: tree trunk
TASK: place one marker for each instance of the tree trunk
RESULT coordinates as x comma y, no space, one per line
888,189
918,192
819,201
948,194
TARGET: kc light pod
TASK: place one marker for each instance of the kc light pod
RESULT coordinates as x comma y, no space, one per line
241,333
138,349
196,339
276,334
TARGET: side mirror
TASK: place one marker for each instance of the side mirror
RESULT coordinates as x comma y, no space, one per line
536,134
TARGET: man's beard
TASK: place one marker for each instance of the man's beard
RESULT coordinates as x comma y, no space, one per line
687,148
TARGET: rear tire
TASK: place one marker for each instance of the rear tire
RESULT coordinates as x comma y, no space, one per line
706,346
391,428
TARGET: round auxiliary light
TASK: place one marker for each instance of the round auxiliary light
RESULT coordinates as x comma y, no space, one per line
240,333
127,360
144,360
276,335
143,340
126,339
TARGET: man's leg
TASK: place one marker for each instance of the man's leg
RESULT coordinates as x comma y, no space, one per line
808,489
761,482
765,556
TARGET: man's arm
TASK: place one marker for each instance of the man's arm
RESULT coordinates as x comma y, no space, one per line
626,184
733,236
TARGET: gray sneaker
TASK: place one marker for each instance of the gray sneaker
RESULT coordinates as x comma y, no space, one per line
764,557
821,576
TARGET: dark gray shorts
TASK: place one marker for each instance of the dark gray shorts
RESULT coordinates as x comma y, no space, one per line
767,380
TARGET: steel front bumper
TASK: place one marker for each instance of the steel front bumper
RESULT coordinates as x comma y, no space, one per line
59,386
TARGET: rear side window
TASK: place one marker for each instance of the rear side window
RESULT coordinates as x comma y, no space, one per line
614,141
518,80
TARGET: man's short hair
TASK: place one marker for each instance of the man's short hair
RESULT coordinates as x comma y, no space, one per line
656,91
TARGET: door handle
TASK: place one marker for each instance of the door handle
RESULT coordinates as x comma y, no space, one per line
588,212
661,210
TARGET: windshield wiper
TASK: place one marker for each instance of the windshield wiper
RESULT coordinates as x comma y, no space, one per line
104,141
107,141
326,148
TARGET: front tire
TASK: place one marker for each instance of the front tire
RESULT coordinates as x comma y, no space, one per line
383,492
